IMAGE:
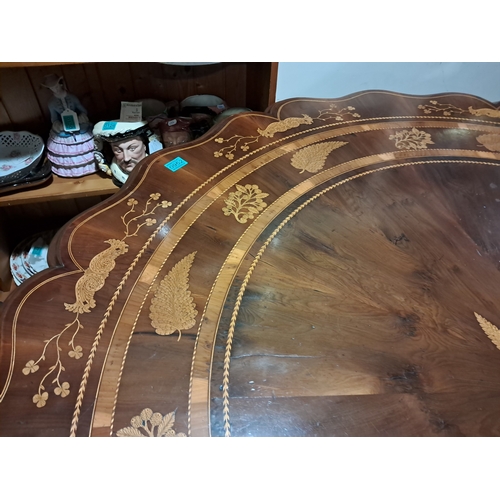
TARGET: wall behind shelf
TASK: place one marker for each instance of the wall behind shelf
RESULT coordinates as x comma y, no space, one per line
338,79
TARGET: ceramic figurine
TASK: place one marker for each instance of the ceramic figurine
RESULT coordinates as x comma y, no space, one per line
70,147
130,142
201,109
175,131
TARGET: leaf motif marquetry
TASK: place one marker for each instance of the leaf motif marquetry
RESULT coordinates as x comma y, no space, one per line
149,424
490,329
312,158
490,141
173,308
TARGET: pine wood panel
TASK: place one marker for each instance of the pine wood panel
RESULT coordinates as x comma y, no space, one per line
236,85
259,86
97,108
31,64
148,81
43,95
19,98
4,117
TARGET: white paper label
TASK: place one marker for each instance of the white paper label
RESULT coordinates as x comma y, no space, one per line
154,146
131,112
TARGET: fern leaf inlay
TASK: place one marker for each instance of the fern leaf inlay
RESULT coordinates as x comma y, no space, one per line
173,308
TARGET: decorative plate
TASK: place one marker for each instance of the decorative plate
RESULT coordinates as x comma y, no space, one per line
30,256
36,176
19,153
19,272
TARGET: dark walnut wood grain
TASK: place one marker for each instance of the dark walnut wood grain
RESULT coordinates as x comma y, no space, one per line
329,268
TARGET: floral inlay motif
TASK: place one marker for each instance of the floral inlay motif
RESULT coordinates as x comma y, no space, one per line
331,112
149,424
450,110
148,210
245,202
438,107
76,353
40,399
411,139
30,367
93,279
62,390
228,151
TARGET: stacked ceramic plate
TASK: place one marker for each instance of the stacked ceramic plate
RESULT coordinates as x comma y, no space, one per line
30,256
20,160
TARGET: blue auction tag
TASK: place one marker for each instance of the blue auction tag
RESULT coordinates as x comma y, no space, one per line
109,126
36,251
176,164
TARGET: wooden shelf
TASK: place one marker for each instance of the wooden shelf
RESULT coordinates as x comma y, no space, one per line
62,188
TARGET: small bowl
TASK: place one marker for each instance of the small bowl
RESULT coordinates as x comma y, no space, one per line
230,112
211,103
151,107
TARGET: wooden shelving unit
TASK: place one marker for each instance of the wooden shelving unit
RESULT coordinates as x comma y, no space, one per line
101,87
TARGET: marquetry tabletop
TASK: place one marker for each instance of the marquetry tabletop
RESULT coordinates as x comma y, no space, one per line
328,268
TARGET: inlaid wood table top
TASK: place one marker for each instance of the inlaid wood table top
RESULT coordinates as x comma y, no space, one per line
328,268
